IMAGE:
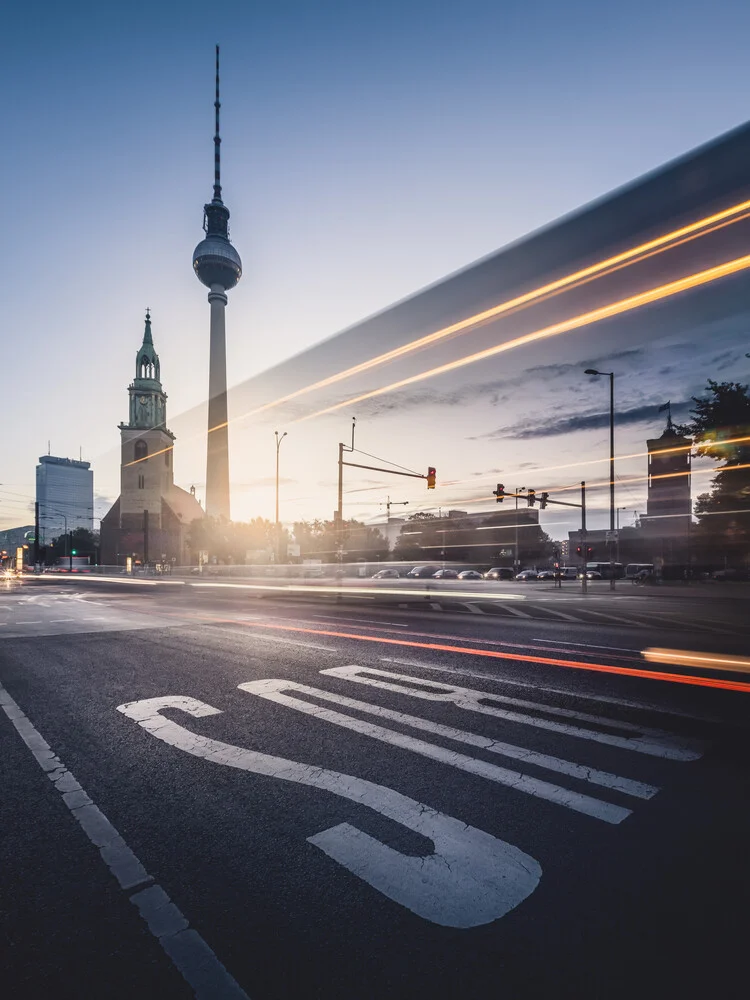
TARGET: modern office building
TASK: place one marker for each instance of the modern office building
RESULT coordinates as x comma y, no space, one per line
65,494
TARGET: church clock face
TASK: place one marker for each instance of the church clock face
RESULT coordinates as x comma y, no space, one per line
143,400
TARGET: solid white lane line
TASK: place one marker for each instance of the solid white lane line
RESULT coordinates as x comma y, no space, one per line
586,804
363,621
581,696
190,954
587,645
36,621
562,614
580,771
653,742
620,619
514,611
287,642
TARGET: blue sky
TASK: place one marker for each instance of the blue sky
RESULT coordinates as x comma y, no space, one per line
369,149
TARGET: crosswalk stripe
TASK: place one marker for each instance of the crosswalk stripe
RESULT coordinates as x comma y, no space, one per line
561,614
514,611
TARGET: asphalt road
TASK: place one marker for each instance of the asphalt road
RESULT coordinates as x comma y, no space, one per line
205,793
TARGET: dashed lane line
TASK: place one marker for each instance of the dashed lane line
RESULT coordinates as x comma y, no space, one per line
187,950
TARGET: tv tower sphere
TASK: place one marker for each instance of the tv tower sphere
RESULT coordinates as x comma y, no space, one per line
216,262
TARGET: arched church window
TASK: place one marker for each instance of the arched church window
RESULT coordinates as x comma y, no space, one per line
141,450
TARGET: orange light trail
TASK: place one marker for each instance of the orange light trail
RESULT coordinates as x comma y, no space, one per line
701,227
684,658
713,682
599,461
625,305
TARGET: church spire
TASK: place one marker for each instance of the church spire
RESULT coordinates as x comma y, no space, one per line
147,340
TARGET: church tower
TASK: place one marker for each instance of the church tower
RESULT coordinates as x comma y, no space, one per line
146,467
149,521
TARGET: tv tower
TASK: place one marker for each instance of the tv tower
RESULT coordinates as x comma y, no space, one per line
218,265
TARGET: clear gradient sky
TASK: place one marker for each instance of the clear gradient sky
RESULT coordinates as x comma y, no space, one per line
369,149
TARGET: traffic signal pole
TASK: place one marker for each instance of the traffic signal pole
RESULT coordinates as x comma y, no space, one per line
584,547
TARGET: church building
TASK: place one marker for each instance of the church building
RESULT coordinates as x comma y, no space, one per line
150,519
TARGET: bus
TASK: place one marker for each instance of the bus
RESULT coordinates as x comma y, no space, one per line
605,569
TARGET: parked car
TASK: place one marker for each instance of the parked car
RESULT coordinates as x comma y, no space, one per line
527,574
500,573
422,572
546,574
469,574
445,574
729,574
386,574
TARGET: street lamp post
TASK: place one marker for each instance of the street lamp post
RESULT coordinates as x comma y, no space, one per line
611,376
278,526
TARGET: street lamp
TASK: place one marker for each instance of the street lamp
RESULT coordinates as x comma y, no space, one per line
278,526
611,376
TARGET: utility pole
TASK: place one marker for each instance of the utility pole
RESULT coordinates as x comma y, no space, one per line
584,547
517,559
36,534
610,546
278,525
145,539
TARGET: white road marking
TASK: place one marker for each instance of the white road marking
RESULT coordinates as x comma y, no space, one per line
515,611
55,621
363,621
435,606
653,742
36,621
199,966
472,878
562,614
580,771
588,645
586,804
288,642
623,702
471,607
620,619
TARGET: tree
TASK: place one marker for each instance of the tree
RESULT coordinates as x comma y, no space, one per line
720,417
81,541
321,539
235,542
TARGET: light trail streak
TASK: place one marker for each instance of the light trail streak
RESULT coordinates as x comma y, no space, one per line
623,482
660,244
618,308
654,675
703,661
597,461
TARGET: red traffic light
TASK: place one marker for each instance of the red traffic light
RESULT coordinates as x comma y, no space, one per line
431,474
499,493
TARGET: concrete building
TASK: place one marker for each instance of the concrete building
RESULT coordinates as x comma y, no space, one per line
65,494
217,264
669,505
151,517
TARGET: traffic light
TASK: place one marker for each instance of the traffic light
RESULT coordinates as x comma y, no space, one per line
543,500
531,497
579,550
499,493
589,551
73,552
431,474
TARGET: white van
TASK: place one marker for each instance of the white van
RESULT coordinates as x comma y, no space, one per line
568,573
